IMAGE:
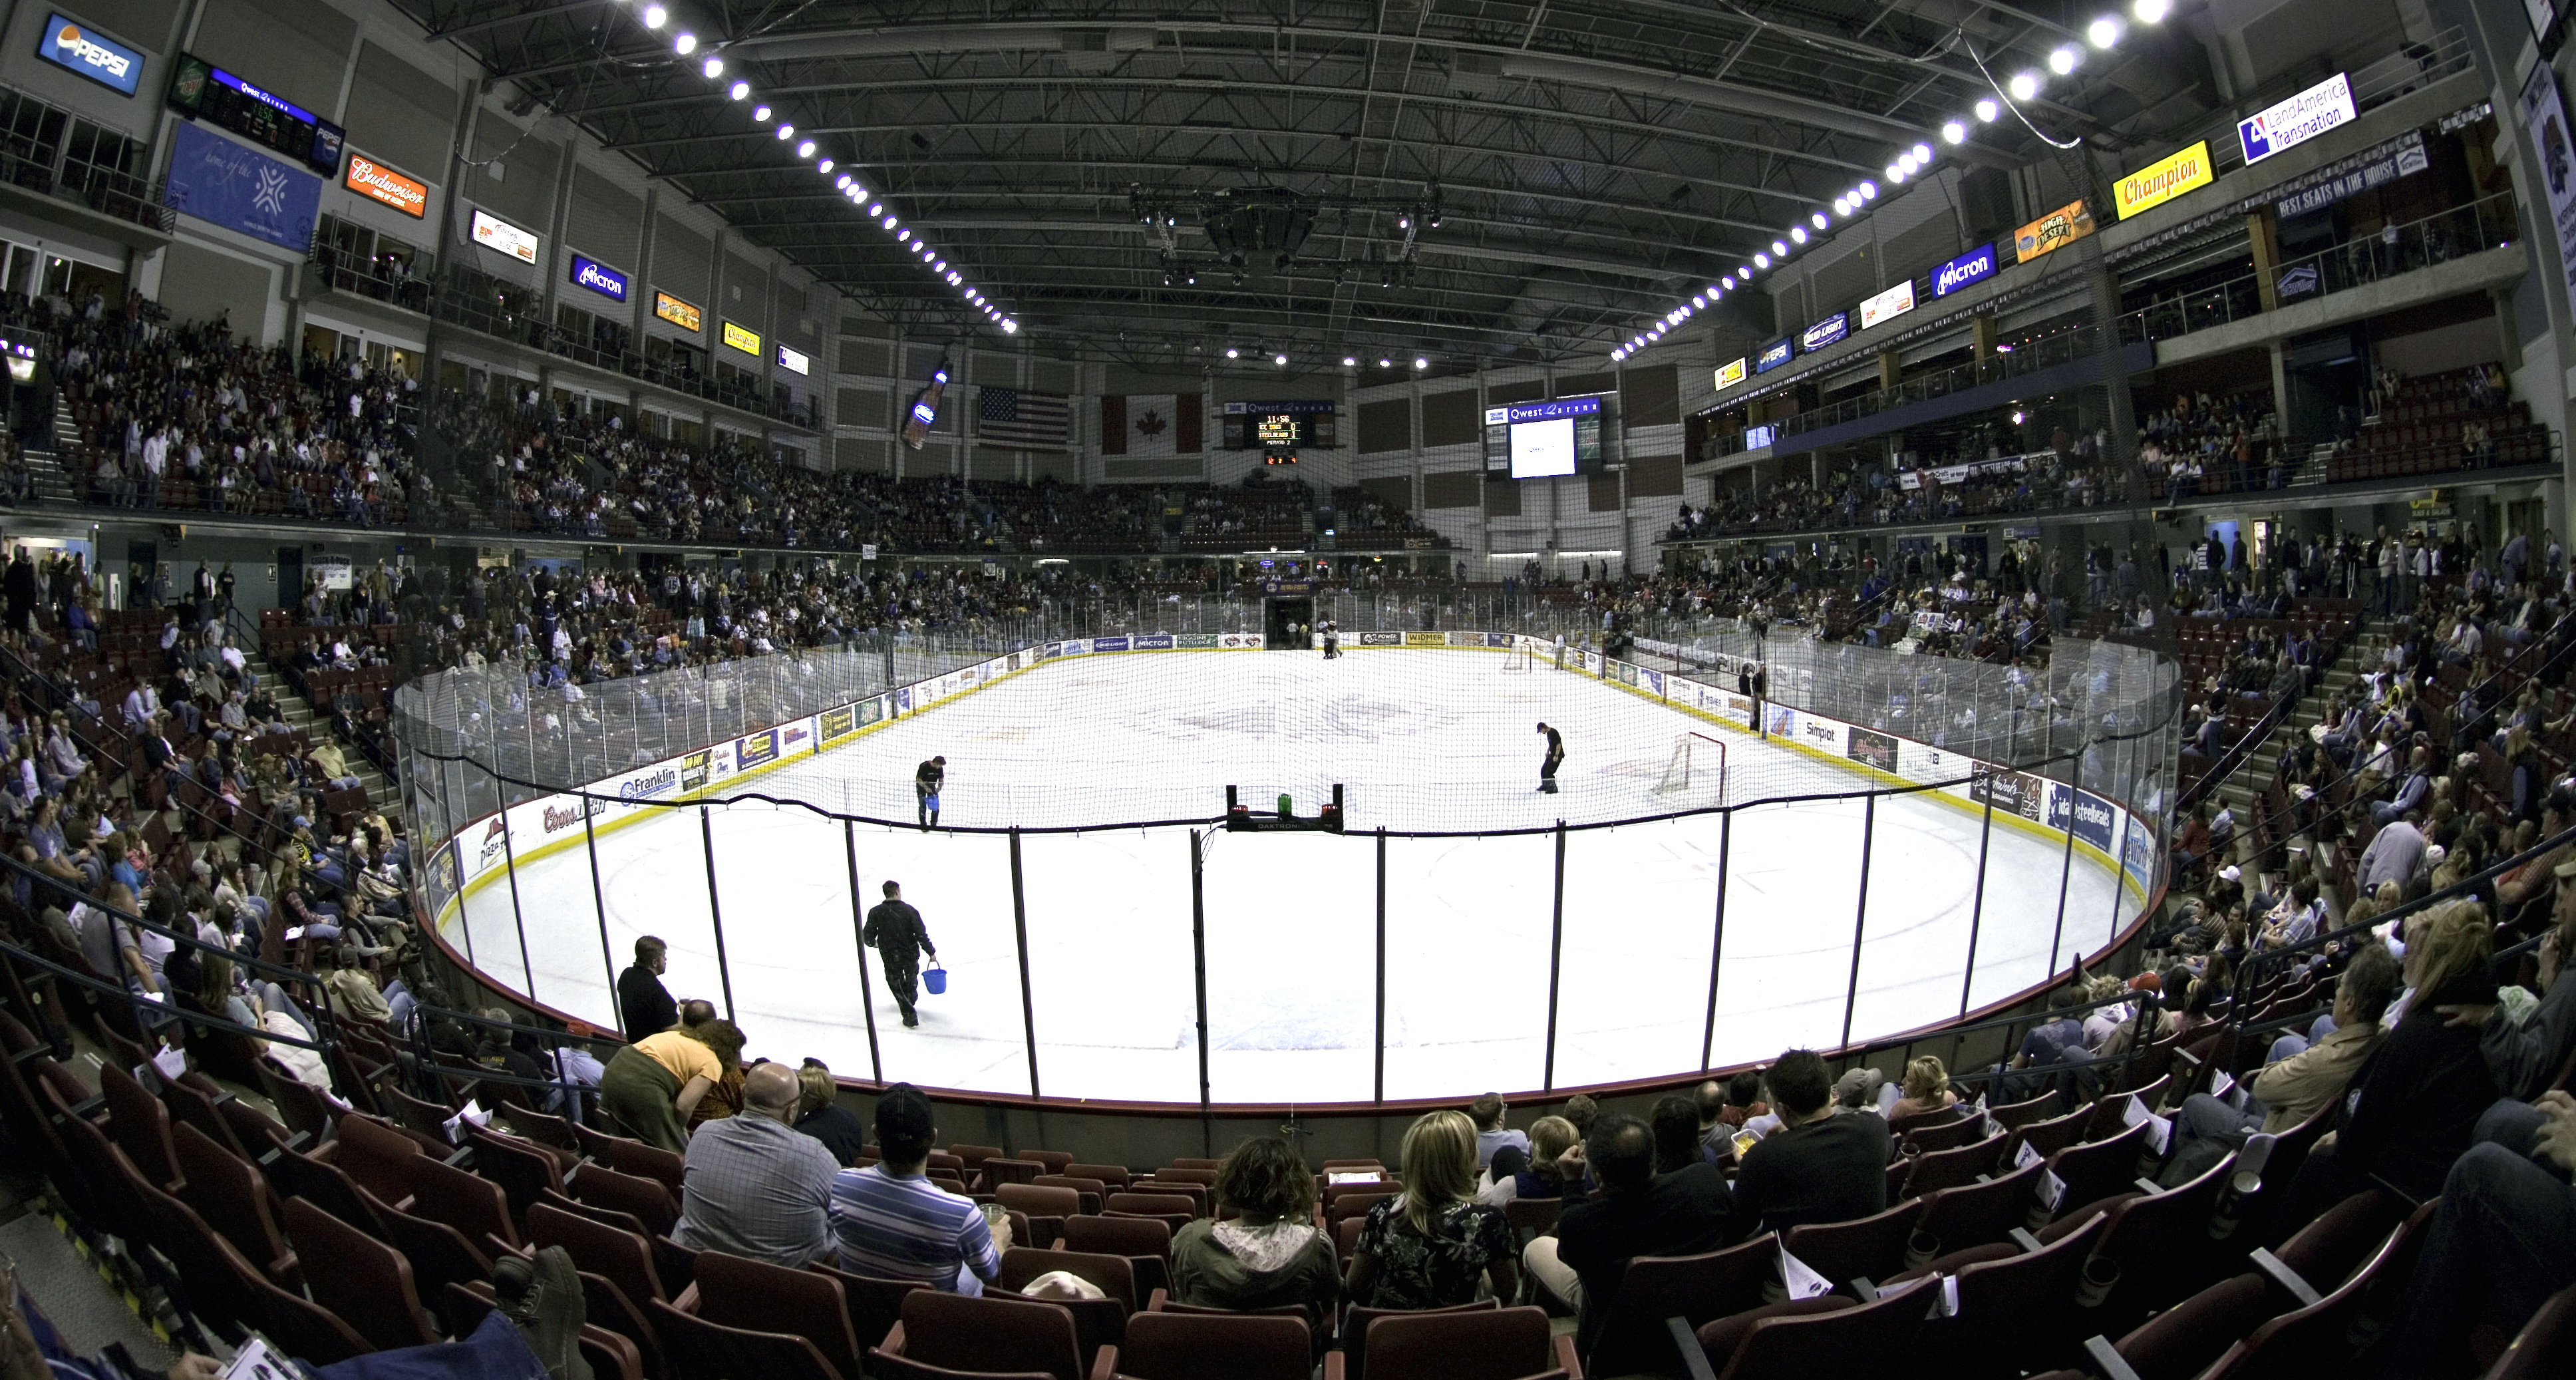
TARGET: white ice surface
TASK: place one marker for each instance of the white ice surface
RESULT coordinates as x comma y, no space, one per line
1424,740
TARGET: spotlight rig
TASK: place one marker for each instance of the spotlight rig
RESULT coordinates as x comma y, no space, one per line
1256,229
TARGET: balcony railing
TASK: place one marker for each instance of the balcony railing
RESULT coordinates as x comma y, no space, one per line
106,190
2487,223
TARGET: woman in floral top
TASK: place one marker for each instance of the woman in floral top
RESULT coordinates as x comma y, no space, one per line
1433,1245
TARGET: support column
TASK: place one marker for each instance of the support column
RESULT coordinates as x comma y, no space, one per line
2279,353
1981,333
2261,229
1887,371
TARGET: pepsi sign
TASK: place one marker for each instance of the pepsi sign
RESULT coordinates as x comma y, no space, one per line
1975,266
69,44
599,277
1772,357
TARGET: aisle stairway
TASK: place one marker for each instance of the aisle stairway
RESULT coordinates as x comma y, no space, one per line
301,714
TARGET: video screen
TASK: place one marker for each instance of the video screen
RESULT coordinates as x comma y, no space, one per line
1543,440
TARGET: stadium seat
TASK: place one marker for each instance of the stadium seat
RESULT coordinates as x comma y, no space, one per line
647,1199
1634,1334
1855,1341
233,1199
367,1283
1454,1344
752,1295
943,1335
873,1305
1868,1249
1209,1346
703,1350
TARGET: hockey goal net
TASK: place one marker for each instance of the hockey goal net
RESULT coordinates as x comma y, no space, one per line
1518,658
1697,769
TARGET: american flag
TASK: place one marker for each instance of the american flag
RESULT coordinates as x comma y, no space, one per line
1010,419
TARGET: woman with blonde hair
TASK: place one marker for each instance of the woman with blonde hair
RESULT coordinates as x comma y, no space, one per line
1927,1088
1432,1245
2413,1108
820,1114
653,1088
1550,1137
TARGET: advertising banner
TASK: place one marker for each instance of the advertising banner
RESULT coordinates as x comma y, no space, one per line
2138,854
1652,682
1973,267
1825,332
1729,375
1197,641
2094,820
2546,118
832,725
2054,231
222,183
2163,180
2352,176
501,237
382,185
1076,646
684,315
2297,120
1823,734
796,737
598,277
1773,356
1381,639
1888,305
1154,642
871,710
68,43
1870,747
2013,793
1425,639
439,879
1109,644
794,361
1498,639
1252,640
743,339
1779,720
694,771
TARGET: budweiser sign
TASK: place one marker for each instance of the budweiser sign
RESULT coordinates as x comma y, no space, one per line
376,182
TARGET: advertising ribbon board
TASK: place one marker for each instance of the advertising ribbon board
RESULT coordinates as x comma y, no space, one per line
1425,639
1872,748
747,341
835,724
1773,356
501,237
1729,375
2360,173
2012,793
598,277
1825,332
1973,267
1888,305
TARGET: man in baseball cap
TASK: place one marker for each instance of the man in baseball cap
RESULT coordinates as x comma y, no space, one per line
892,1222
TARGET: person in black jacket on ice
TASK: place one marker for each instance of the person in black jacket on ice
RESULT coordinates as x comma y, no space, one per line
895,931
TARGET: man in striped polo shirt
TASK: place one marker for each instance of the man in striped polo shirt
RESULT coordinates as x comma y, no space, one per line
893,1223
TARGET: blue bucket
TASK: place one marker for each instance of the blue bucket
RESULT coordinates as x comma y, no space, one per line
936,979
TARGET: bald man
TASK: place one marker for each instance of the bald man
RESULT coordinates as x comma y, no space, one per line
755,1187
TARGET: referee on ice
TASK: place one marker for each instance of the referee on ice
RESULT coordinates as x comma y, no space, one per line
1555,757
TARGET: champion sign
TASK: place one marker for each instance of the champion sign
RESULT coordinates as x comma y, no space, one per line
1975,266
599,277
110,64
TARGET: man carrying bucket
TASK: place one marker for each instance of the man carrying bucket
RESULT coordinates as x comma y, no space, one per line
895,930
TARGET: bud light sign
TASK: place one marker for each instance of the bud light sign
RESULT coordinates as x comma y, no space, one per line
599,277
1973,267
67,43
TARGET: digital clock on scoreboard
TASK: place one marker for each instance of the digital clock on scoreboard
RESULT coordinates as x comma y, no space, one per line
202,91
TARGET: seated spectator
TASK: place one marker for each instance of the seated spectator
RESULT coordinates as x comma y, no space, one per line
2524,1056
1675,1120
1491,1135
1818,1167
1639,1212
1927,1089
819,1114
1432,1246
2289,1091
2502,1242
2412,1107
752,1186
1269,1253
1547,1174
892,1222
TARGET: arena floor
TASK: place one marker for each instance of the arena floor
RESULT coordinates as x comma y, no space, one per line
1422,740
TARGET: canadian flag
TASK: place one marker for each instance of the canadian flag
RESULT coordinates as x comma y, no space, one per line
1145,425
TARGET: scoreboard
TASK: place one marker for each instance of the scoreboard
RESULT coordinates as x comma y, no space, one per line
1278,426
202,91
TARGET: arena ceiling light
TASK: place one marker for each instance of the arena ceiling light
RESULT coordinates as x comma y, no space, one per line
2152,11
684,44
2103,32
655,16
1350,361
2063,59
713,68
1954,132
739,89
2024,86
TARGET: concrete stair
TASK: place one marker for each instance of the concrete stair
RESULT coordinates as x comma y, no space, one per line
2239,791
303,715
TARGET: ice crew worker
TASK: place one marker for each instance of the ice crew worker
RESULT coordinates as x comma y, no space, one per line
926,780
894,928
1555,757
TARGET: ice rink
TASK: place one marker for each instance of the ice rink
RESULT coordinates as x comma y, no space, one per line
1422,740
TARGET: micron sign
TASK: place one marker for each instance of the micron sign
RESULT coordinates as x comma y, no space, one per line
376,182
